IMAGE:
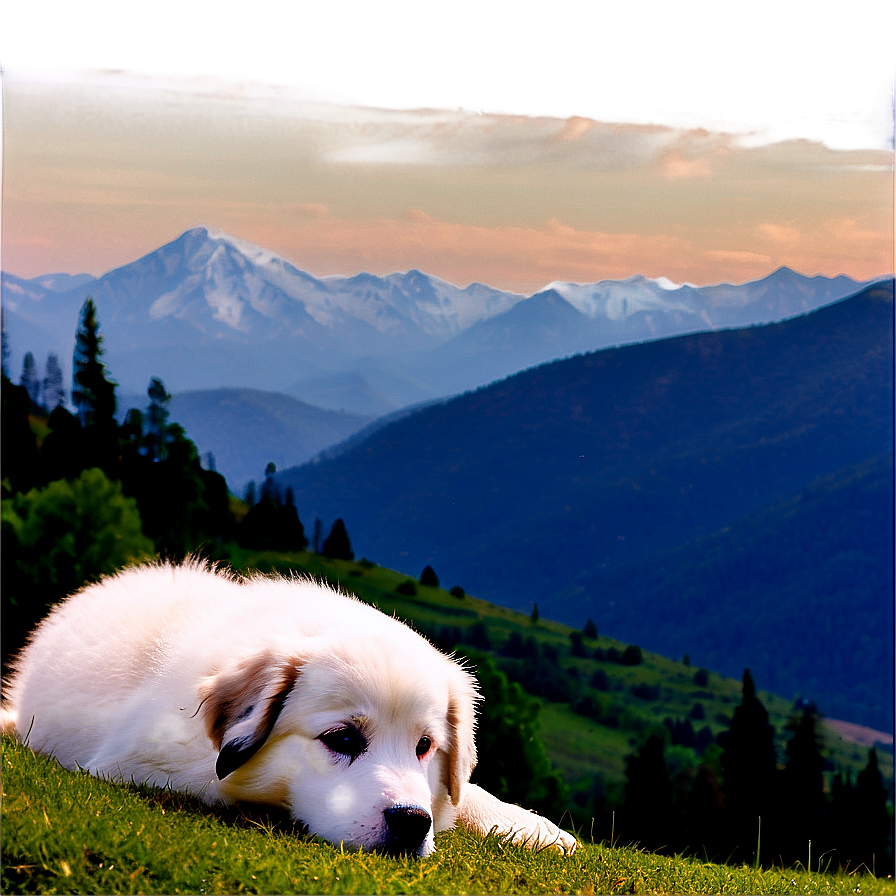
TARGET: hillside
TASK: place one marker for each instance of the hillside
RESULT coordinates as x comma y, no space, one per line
528,489
271,428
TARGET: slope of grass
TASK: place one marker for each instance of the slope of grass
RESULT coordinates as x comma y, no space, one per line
67,832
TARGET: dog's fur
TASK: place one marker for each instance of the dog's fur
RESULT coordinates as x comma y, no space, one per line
264,690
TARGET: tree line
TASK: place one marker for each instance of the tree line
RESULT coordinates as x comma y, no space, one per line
84,494
728,797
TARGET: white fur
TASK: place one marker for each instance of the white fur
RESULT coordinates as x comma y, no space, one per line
151,674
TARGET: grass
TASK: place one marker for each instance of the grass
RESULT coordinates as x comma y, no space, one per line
67,832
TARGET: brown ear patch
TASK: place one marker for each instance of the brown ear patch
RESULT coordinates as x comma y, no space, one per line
241,706
461,751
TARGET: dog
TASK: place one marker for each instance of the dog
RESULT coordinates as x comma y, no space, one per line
265,690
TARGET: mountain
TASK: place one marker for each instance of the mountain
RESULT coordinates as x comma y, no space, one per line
570,318
209,310
245,429
564,481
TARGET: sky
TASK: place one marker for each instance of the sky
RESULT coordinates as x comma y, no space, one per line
489,142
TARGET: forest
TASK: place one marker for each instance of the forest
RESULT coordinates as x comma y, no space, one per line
84,494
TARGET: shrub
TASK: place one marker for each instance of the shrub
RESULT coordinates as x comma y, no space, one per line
429,578
408,588
631,656
458,592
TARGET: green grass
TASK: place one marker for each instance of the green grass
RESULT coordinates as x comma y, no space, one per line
67,832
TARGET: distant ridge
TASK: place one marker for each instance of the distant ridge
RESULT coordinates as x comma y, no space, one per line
571,483
210,310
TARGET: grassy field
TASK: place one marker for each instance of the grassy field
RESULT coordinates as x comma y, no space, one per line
67,832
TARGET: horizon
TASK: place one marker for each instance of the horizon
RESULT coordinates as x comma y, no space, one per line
479,145
664,282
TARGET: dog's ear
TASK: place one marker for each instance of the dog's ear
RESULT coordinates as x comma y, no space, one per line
461,729
241,705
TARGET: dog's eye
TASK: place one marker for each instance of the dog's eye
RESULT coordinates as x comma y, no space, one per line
424,745
345,741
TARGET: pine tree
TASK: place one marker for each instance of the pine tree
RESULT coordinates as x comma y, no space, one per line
30,380
54,394
802,797
156,419
748,764
337,544
92,394
4,352
646,815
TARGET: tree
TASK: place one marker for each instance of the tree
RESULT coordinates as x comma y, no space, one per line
590,629
92,394
429,577
802,797
54,394
646,814
30,380
337,544
4,352
513,764
57,538
156,419
748,764
534,616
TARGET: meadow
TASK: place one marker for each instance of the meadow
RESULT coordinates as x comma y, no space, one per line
67,832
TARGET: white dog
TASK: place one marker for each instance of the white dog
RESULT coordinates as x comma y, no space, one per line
264,690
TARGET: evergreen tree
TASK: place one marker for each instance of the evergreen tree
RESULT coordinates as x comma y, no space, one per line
802,797
748,764
590,629
429,577
337,544
4,352
92,394
647,811
30,380
54,393
156,419
534,616
872,823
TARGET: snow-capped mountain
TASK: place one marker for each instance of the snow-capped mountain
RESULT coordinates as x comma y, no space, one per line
209,310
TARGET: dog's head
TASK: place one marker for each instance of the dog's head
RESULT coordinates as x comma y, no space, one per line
366,739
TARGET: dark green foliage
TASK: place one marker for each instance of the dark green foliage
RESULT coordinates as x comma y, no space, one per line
513,765
590,629
534,615
701,678
576,646
631,656
429,578
57,538
92,393
458,592
30,380
408,588
20,456
646,817
273,523
337,544
53,392
748,765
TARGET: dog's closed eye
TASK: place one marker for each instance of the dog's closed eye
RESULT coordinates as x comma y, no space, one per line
344,741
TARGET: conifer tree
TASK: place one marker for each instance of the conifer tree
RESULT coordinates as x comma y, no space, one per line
92,394
748,764
337,544
156,419
53,392
30,380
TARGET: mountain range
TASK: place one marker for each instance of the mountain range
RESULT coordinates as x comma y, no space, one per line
725,494
209,310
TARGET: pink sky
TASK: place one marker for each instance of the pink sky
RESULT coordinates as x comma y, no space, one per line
96,176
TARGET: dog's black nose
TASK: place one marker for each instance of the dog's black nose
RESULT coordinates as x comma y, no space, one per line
408,827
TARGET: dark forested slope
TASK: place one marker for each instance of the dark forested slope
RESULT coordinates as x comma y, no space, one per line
556,482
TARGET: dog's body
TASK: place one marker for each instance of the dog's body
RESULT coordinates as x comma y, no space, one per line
266,690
